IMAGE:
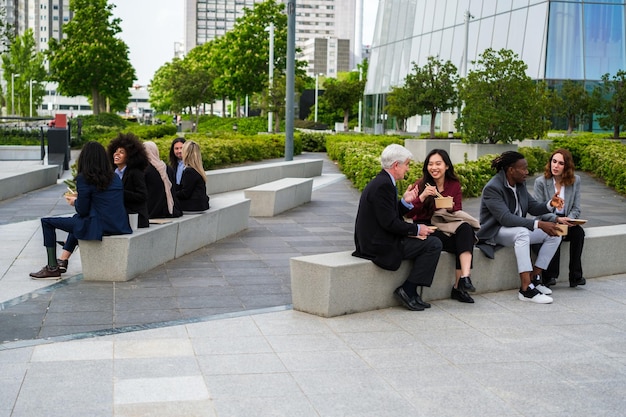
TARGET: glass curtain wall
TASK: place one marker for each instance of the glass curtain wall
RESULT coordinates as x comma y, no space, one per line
558,40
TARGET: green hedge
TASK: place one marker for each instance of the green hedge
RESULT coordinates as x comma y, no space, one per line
604,158
219,152
359,160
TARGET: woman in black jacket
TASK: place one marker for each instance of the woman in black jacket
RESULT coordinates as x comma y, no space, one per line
128,155
192,190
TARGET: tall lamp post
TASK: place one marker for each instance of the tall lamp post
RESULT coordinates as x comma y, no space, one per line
270,115
30,103
13,77
317,87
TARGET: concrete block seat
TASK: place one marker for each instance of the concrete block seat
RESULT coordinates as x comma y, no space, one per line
25,179
272,198
333,284
122,257
246,176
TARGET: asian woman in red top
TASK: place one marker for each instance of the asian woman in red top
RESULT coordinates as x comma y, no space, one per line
439,177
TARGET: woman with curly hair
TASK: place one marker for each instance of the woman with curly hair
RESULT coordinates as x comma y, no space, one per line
192,190
127,154
99,204
559,178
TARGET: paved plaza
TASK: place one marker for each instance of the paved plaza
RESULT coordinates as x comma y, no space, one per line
213,333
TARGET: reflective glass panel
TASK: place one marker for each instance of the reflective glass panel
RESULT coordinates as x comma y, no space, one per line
501,31
534,47
604,39
564,55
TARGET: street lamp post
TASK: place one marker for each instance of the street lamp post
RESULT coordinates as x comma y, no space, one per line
270,115
13,77
361,99
317,86
30,103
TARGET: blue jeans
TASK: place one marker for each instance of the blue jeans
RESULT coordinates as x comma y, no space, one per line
49,226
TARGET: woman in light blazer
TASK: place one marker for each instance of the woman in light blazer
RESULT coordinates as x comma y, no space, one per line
559,178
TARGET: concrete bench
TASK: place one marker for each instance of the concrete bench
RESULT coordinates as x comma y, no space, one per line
267,200
27,178
333,284
122,257
247,176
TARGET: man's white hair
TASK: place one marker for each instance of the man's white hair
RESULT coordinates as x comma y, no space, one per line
394,153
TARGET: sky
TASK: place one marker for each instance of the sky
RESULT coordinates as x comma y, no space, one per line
150,28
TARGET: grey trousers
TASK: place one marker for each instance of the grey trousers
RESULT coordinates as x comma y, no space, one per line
520,238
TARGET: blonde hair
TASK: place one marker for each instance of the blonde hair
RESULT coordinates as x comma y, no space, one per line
192,157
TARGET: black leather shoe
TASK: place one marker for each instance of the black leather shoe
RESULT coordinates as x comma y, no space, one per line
461,296
466,284
418,300
548,282
576,282
407,301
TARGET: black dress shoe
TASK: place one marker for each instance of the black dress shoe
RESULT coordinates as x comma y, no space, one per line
466,284
418,300
548,282
461,296
576,282
407,301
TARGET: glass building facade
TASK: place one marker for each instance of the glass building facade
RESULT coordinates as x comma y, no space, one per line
558,40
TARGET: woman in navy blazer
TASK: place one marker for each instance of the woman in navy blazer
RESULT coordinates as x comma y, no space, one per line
99,205
559,178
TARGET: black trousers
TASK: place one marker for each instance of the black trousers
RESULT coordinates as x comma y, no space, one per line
576,238
461,241
426,255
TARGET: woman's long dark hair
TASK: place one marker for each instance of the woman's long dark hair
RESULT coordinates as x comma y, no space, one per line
449,175
135,152
173,158
429,203
94,164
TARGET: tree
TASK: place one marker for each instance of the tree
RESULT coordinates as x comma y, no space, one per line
572,101
160,88
610,97
399,106
501,102
343,95
191,87
242,54
23,59
432,89
90,60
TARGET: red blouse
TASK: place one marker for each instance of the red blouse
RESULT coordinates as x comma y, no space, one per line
422,212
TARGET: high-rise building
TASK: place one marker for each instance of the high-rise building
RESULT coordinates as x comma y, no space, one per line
208,19
558,40
44,17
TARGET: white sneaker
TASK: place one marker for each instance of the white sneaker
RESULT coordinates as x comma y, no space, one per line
543,289
538,284
533,294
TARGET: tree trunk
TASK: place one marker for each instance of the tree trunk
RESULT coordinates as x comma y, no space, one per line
98,102
346,117
276,122
616,132
433,115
